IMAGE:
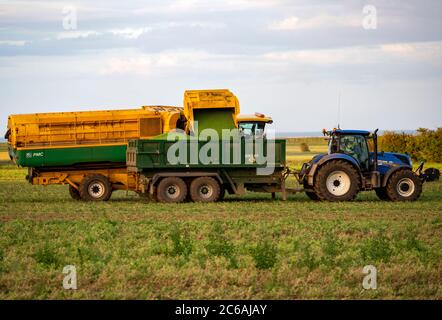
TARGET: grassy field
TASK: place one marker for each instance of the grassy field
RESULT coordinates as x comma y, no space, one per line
242,248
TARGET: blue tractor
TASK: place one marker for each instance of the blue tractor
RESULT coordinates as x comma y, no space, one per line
353,164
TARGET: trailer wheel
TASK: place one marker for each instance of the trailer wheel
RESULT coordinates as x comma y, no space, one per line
205,189
74,193
171,190
337,181
95,188
404,185
382,194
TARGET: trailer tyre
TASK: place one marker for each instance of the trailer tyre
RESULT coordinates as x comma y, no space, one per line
404,185
337,181
205,189
95,188
171,190
74,193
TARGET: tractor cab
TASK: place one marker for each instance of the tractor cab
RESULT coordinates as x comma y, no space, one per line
355,143
253,125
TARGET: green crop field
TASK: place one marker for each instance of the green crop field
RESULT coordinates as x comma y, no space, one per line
242,248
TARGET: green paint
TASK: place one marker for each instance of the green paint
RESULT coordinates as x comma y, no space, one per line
150,154
216,119
70,156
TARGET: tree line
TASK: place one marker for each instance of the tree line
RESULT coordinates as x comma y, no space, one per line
424,145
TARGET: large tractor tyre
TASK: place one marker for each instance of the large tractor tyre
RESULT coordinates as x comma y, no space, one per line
382,194
404,185
310,193
337,181
312,196
205,189
74,193
95,187
171,190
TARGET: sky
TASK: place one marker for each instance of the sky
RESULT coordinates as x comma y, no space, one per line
308,64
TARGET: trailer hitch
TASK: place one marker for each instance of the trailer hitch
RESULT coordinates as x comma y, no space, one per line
427,175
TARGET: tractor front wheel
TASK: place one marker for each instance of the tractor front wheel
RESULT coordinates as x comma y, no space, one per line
337,181
404,185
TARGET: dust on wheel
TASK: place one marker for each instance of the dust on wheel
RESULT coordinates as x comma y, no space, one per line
404,185
74,193
171,190
205,189
95,188
337,181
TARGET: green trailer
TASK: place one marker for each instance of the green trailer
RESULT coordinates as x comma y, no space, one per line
202,171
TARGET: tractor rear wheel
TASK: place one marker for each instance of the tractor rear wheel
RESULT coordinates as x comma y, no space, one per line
74,193
205,189
382,194
404,185
95,187
312,195
337,181
171,190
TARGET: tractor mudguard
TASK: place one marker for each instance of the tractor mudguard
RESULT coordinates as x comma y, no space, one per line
330,157
391,171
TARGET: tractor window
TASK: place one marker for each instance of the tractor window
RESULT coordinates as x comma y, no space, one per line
333,145
252,129
246,129
355,146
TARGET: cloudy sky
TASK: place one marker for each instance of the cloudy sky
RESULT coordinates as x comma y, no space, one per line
288,59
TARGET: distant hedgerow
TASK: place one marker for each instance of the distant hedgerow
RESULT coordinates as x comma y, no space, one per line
425,145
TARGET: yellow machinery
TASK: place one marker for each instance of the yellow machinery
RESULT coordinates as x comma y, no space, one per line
64,129
211,109
71,147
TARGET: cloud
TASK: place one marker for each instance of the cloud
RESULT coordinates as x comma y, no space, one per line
320,21
419,52
131,33
135,33
423,52
14,43
199,6
77,34
146,64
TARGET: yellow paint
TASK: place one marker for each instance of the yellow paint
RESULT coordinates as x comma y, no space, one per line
121,179
209,99
253,118
67,129
73,146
